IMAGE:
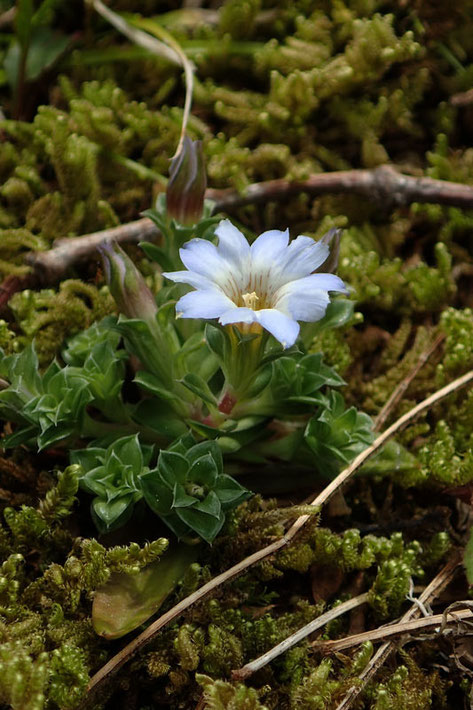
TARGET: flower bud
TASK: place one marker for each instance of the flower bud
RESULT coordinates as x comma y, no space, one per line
127,285
187,182
332,240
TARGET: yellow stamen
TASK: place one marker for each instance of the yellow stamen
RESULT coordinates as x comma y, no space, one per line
250,300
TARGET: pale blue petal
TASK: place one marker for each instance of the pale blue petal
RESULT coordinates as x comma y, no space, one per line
202,257
232,245
191,278
325,282
238,315
202,304
305,306
283,328
269,247
303,256
307,299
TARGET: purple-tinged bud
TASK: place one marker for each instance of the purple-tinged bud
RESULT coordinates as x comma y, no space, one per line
187,182
332,240
127,285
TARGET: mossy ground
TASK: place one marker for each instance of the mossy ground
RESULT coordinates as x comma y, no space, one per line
283,89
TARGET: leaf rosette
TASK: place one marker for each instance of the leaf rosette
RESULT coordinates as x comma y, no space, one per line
112,475
189,490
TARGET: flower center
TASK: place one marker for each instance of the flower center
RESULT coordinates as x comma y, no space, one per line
250,300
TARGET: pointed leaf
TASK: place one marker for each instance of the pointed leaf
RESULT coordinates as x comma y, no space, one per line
127,601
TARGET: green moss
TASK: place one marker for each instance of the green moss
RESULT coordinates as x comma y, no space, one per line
220,695
283,90
51,316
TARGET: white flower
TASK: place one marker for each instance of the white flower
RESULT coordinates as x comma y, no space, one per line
270,282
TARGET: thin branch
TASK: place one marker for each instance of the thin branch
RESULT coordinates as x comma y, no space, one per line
464,98
383,185
7,17
430,623
399,391
142,39
51,265
299,635
439,582
115,663
169,50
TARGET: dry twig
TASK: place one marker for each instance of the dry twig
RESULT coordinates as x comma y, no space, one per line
115,663
440,581
399,391
464,98
299,635
430,623
51,265
384,185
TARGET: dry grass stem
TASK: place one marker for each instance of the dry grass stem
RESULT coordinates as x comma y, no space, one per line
299,635
117,661
439,582
400,390
437,621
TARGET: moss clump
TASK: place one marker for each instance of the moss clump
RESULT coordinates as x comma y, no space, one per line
51,316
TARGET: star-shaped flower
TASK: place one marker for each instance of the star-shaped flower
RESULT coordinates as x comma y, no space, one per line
270,283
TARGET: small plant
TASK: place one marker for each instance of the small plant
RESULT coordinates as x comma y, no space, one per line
243,388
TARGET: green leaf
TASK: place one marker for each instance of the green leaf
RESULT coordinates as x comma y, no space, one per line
45,47
204,471
181,499
157,416
158,216
127,451
127,600
183,443
203,524
88,458
205,430
393,458
338,314
151,383
157,494
203,448
53,435
230,492
260,381
23,435
210,505
173,467
156,253
205,225
112,514
79,346
198,386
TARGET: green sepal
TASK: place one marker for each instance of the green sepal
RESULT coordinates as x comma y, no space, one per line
151,383
217,340
198,386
